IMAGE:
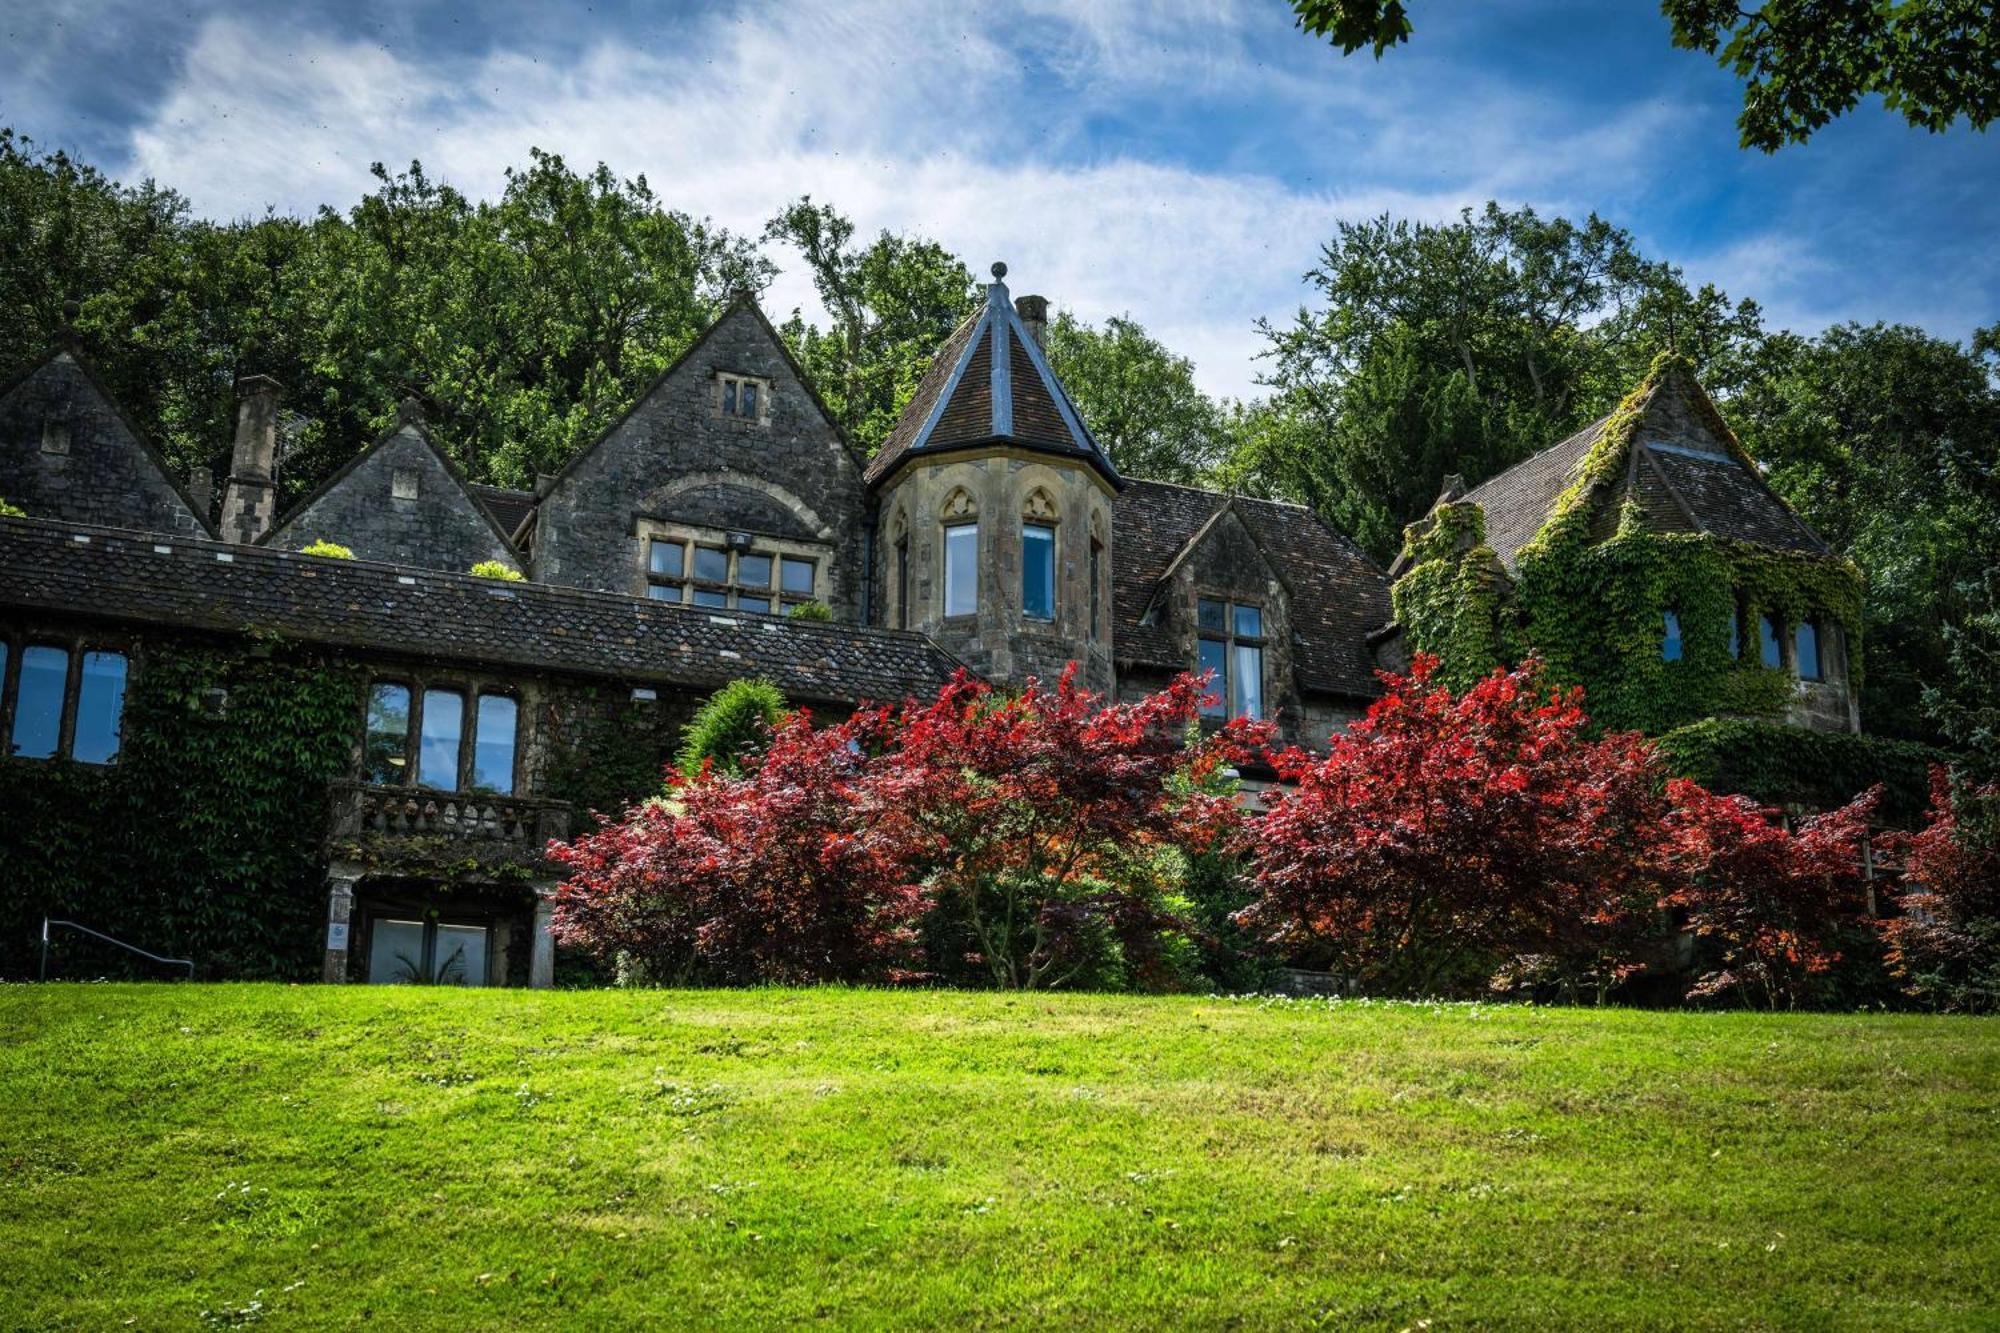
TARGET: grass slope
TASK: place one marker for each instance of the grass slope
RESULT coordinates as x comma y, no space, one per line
172,1156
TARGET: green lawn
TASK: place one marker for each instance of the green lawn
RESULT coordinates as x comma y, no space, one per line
172,1155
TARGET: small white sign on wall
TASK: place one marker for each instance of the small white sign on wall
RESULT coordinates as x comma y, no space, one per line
336,935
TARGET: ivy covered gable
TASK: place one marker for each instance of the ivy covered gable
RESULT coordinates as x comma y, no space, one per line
1646,559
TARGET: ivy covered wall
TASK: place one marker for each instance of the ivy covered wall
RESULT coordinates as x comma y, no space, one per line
201,841
1590,592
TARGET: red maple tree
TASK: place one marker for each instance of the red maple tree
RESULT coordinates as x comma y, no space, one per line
1445,838
1035,816
1770,905
1944,947
782,874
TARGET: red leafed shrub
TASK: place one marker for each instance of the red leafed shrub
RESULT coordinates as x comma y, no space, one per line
1769,907
1945,946
1036,818
1445,838
780,875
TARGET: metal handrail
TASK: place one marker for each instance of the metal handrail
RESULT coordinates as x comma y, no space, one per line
187,963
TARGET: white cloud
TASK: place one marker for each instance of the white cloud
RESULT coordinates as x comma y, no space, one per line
916,118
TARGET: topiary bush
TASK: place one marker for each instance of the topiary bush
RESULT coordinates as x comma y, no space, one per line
328,550
733,726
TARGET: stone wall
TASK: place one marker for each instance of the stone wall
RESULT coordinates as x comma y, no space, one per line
66,453
676,457
401,504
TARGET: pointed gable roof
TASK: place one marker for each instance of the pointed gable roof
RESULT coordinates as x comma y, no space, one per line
1668,450
990,384
1338,596
451,530
744,302
109,472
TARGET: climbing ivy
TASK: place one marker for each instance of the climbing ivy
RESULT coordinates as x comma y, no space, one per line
1450,603
1593,605
1795,768
201,840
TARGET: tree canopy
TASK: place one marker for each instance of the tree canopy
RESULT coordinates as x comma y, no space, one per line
1801,62
1463,346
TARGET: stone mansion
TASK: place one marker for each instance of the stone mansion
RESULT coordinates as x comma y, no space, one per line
987,531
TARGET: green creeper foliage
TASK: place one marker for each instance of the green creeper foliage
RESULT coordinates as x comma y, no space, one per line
498,569
734,725
1593,608
199,840
9,510
1451,603
819,611
1794,768
328,550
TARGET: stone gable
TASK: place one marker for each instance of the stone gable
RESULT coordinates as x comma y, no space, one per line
66,452
677,457
398,502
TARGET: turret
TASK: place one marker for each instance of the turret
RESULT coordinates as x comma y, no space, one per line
994,506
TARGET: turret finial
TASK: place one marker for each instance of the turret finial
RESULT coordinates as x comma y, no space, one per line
999,271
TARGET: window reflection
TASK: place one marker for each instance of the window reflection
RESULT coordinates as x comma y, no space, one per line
1038,572
38,703
1805,651
385,743
961,570
493,745
437,747
100,708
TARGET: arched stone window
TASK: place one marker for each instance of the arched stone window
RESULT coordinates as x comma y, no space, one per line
960,518
1038,556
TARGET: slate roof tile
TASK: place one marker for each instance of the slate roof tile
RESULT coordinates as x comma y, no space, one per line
1338,595
124,576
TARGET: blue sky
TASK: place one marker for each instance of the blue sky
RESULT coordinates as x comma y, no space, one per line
1180,163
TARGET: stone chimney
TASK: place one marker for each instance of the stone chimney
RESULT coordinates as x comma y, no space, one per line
250,499
1034,313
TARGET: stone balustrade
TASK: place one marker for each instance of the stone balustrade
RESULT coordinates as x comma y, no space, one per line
362,810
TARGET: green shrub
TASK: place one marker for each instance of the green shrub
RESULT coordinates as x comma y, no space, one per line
330,550
498,569
15,511
1791,766
732,726
811,611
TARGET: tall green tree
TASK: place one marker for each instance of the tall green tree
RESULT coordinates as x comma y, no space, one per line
891,304
525,323
1802,62
1462,347
1887,440
1139,398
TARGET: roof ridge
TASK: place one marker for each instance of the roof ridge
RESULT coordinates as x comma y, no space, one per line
557,591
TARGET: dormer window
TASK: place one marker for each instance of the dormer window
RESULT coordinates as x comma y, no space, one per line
743,397
1230,644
